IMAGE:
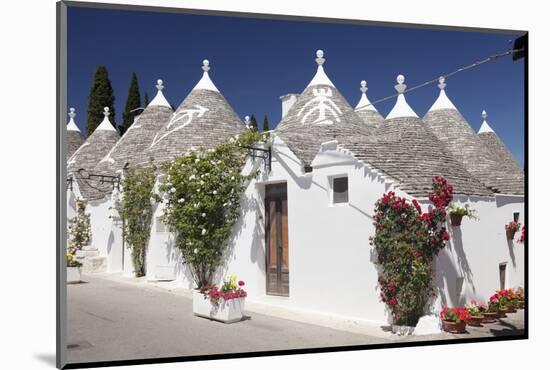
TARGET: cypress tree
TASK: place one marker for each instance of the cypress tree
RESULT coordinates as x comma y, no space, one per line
133,101
253,123
145,100
101,95
266,124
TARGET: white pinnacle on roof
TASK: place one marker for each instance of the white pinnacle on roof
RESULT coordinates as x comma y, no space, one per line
320,77
159,98
484,126
106,124
247,121
205,82
401,107
71,126
364,102
442,101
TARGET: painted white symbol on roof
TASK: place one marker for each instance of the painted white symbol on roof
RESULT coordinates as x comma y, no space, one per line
324,105
180,120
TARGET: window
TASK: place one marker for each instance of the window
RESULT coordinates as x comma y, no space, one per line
516,216
502,275
340,190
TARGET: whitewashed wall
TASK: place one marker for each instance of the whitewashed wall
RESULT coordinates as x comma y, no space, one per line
329,253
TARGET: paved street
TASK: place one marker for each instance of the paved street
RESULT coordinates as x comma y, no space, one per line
115,320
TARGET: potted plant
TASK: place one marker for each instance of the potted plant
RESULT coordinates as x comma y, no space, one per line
521,297
475,312
74,271
225,304
512,228
455,319
490,311
511,300
456,213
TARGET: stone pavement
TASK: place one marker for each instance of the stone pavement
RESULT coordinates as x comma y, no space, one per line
111,317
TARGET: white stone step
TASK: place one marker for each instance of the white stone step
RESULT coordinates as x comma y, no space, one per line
94,264
87,253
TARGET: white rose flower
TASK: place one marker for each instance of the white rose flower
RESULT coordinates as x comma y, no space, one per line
197,160
173,190
215,192
192,177
195,251
198,190
203,232
181,200
203,214
232,177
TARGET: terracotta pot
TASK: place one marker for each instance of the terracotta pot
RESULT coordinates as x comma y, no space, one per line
454,327
476,320
521,305
511,309
502,313
510,234
456,220
489,317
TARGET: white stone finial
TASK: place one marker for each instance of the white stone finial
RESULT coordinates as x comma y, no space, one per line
320,57
72,113
364,87
442,83
484,115
106,112
484,125
160,85
400,87
247,119
205,65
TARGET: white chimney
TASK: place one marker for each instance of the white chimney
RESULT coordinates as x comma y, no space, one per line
287,101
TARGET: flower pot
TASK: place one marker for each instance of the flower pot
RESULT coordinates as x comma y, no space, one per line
454,327
476,320
502,313
402,329
74,275
225,311
511,309
521,305
510,234
456,220
489,317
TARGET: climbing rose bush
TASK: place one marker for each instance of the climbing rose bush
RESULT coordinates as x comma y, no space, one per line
522,237
406,241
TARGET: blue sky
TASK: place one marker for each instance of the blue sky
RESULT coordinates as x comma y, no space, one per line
254,61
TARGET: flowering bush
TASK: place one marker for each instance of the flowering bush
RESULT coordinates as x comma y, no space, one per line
203,190
231,289
79,228
71,262
522,237
136,210
455,314
512,226
466,211
502,299
473,308
406,242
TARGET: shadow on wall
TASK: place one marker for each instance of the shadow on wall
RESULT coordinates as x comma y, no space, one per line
511,251
446,276
110,242
463,264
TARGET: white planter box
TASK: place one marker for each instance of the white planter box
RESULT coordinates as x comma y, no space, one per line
225,311
402,329
74,275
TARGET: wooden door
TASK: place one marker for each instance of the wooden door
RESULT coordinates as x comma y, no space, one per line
276,217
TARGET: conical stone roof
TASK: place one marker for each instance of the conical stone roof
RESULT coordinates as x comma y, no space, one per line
513,182
405,149
450,127
96,146
131,148
74,136
204,119
366,110
320,114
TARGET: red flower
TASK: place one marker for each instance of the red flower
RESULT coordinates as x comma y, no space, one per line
393,301
445,235
241,283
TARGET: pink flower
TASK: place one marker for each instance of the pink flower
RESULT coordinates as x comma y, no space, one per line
393,302
241,283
